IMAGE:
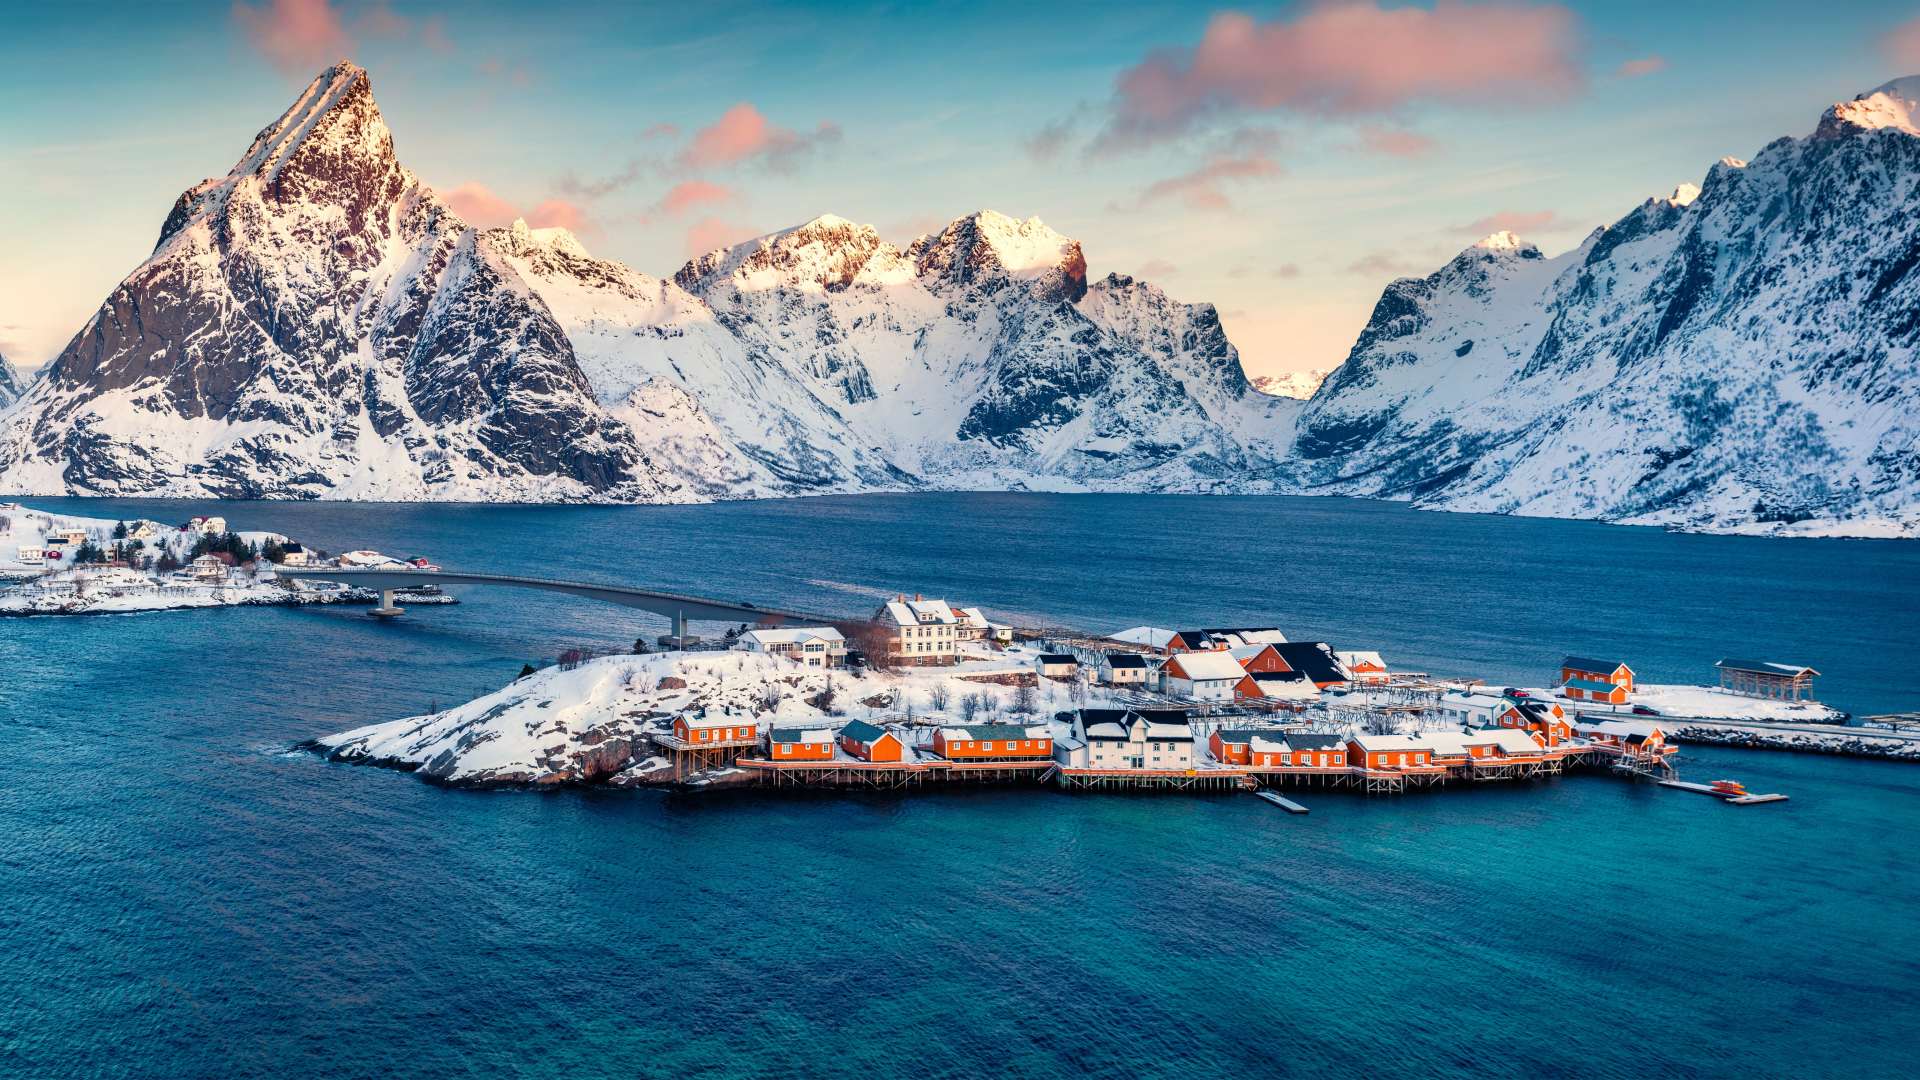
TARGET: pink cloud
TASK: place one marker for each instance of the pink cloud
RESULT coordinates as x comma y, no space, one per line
743,135
1518,222
299,36
1351,58
1396,142
1902,45
1203,188
1645,65
693,194
484,209
710,233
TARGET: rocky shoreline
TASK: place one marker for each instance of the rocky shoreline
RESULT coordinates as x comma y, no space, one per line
1863,745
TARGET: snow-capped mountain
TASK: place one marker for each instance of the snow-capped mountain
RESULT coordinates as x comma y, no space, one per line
1734,356
319,324
9,382
1294,384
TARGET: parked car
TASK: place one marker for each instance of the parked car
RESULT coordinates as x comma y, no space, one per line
1645,710
1512,691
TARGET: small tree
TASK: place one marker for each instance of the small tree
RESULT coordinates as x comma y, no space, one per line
168,562
970,706
571,658
89,552
525,670
120,530
940,695
1023,699
640,647
273,552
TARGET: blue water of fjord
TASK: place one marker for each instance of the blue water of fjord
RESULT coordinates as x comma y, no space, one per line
179,896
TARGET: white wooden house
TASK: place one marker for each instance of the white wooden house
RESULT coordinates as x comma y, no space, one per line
1136,738
919,631
1201,676
810,646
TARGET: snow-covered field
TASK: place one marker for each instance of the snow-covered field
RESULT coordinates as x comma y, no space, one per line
1672,700
120,590
590,723
23,529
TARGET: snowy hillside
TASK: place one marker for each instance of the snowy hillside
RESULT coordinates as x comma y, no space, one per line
1737,356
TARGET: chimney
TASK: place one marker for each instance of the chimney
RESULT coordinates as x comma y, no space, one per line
916,598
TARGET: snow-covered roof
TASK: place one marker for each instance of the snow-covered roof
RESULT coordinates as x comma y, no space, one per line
1206,666
1619,729
801,735
1512,741
1371,743
1288,685
794,635
974,617
1358,658
1244,653
1268,743
1447,743
861,731
1473,699
1766,667
1153,637
715,719
921,612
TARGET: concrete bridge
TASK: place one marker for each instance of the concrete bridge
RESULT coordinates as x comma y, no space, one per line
677,608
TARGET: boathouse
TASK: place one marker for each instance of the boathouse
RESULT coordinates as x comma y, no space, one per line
1269,749
1247,746
1583,678
1636,735
1258,658
800,744
1765,679
1124,669
1449,747
1388,752
992,742
869,742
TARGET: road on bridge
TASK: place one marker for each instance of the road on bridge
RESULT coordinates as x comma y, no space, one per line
675,606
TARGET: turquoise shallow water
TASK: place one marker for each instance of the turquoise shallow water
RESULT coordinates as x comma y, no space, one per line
181,897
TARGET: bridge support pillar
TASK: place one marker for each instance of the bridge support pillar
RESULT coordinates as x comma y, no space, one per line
387,609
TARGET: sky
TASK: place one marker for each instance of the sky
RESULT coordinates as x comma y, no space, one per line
1282,161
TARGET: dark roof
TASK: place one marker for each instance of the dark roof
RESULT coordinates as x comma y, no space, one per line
1103,716
291,546
1308,740
1057,658
1278,676
1588,663
861,731
1125,659
1162,716
1249,734
784,734
1314,659
996,731
1766,667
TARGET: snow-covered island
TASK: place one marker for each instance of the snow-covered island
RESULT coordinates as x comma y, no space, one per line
60,564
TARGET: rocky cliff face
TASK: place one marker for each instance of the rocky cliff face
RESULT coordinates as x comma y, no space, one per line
1736,356
9,383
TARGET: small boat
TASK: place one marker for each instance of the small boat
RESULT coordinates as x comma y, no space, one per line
1732,789
1286,804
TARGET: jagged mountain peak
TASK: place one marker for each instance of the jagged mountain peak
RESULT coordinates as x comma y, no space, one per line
1504,242
1683,195
1894,105
9,382
827,252
987,249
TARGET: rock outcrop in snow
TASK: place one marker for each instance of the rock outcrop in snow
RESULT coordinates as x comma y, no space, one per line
1738,356
9,382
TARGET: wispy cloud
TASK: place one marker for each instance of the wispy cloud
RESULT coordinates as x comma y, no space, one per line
1245,156
710,233
1395,142
298,36
744,136
1645,65
1901,45
481,207
689,195
1350,58
1519,222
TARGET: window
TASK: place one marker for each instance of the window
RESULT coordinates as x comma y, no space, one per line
786,748
987,747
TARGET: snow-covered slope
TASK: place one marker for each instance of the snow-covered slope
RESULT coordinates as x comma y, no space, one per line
1737,356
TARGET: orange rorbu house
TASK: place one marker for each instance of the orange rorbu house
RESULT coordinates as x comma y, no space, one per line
717,730
1245,745
1258,658
1583,678
1311,750
1546,721
800,744
993,742
869,742
1388,752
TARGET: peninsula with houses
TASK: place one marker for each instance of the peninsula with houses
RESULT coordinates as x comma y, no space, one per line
930,692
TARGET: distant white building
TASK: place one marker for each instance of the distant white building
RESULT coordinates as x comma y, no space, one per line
208,568
811,646
371,559
1137,738
1202,676
206,525
145,530
975,626
1056,665
1146,637
1124,669
295,554
1363,666
1471,709
31,555
919,631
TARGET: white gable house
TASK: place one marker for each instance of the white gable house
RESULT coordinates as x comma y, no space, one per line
811,646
